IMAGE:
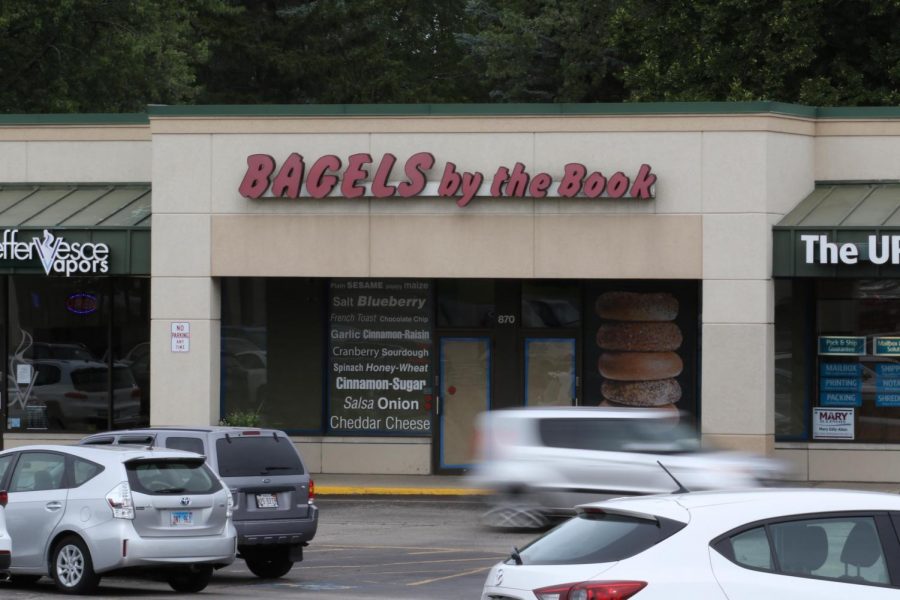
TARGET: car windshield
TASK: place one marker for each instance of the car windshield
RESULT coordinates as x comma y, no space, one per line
659,436
596,538
262,455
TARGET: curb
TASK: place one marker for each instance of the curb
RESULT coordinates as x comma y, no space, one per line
348,490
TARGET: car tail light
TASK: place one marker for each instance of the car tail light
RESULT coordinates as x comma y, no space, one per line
4,497
75,395
120,501
312,491
591,590
136,392
229,508
250,432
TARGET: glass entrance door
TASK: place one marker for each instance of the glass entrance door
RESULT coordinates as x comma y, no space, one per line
465,391
551,376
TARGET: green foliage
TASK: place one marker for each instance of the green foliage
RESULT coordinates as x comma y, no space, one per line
545,50
339,51
246,418
815,52
120,55
98,55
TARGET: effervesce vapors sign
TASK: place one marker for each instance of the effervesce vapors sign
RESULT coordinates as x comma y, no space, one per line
55,254
327,176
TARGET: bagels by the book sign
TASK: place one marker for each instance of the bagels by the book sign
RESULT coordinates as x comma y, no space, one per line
420,175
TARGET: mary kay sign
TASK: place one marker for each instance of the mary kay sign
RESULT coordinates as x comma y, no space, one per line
421,176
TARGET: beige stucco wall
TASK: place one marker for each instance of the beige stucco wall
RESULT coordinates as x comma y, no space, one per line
723,182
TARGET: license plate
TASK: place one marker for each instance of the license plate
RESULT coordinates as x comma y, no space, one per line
182,517
266,501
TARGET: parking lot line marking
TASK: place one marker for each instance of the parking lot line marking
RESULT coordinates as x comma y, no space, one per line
416,548
463,574
396,564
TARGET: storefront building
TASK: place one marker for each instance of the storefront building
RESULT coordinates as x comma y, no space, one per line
370,278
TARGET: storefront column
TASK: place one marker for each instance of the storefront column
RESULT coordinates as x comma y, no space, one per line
184,365
738,335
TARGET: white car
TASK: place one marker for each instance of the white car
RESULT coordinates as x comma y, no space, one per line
797,544
539,463
5,542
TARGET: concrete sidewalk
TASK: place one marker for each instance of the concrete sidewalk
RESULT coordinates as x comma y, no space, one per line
337,484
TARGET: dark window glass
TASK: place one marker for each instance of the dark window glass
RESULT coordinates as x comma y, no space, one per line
597,538
551,304
131,352
60,357
96,379
845,548
264,455
272,351
84,470
38,471
46,374
749,549
466,303
139,440
190,444
5,461
869,382
657,436
791,334
103,441
162,477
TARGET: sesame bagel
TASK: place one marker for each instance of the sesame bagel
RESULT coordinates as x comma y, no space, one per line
634,306
639,337
640,366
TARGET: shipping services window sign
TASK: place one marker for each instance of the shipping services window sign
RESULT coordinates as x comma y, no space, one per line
379,357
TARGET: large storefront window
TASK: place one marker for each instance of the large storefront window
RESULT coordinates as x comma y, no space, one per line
77,353
271,351
419,357
858,360
837,360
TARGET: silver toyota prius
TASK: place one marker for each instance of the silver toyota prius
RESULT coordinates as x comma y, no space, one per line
76,513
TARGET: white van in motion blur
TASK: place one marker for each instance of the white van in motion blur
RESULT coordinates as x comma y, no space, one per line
538,463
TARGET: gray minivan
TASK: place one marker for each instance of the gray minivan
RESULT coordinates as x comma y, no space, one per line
274,497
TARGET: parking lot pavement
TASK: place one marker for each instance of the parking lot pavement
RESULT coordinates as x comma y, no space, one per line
377,548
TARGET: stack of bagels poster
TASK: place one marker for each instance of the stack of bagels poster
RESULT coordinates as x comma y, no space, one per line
645,342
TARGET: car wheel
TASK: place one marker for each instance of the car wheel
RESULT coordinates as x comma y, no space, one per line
269,564
514,511
71,567
193,581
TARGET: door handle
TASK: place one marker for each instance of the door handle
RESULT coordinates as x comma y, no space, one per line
54,505
437,405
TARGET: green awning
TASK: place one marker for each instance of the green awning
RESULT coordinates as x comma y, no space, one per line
116,214
844,213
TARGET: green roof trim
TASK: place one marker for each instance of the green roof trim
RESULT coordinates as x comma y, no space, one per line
500,109
76,119
454,110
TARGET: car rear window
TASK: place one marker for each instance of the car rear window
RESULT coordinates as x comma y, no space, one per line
263,455
93,379
162,477
597,538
